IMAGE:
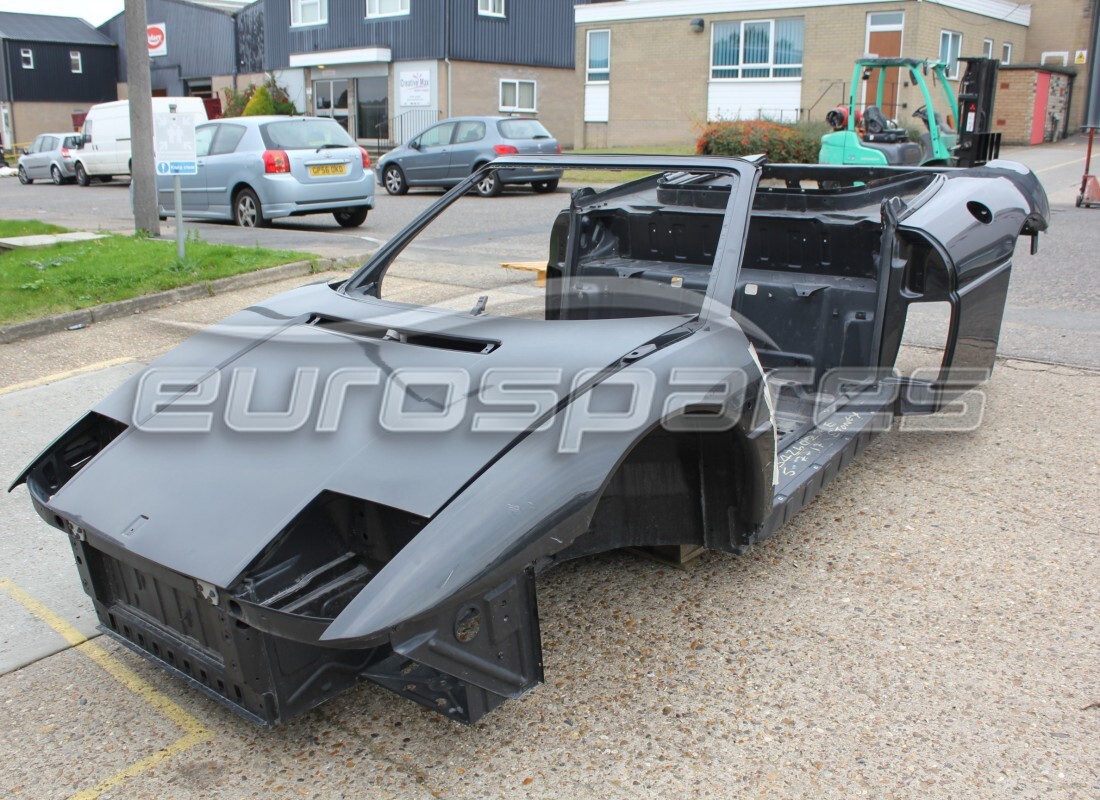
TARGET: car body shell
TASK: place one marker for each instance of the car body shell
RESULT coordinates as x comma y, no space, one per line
272,571
224,170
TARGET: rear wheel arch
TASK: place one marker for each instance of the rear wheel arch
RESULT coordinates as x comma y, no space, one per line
240,186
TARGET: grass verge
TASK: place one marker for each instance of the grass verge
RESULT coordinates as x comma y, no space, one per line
66,277
602,176
26,227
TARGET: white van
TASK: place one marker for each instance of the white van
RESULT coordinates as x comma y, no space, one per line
106,150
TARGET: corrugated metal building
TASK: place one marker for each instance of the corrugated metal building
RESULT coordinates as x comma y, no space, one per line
201,45
383,68
386,68
50,69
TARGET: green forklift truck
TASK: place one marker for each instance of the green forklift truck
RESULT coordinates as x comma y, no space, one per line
871,139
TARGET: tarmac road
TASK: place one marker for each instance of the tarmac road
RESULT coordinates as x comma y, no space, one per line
927,628
1051,313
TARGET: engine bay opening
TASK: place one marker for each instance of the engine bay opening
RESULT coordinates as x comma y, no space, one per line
325,557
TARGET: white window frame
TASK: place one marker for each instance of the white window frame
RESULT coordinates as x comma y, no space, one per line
26,58
376,13
952,74
488,8
1006,53
769,65
296,13
987,48
587,62
76,62
872,27
517,107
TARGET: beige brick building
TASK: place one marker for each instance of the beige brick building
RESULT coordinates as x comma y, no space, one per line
652,72
1058,36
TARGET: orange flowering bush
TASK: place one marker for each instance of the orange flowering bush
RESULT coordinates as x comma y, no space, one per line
753,137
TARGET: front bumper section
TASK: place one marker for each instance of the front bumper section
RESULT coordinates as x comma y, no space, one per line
269,666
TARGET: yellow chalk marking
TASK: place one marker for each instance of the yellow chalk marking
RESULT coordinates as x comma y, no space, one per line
1058,166
193,731
60,376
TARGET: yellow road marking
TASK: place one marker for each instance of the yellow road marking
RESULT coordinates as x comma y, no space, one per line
193,731
1058,166
60,376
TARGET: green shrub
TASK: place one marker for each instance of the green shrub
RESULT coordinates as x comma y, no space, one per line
780,143
261,104
234,102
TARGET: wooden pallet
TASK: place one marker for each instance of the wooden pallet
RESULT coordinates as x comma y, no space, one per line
538,267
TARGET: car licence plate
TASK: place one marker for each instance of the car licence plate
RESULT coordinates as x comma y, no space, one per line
318,170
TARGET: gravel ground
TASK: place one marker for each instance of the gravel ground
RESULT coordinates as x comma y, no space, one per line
914,633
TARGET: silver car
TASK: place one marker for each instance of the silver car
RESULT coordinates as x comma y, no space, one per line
252,170
451,150
50,156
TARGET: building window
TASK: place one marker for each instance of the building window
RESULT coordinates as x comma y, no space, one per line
987,48
387,8
308,12
76,65
1006,53
490,8
888,20
26,55
517,96
759,49
950,47
599,57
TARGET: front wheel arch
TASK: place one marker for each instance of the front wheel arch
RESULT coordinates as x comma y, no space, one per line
701,465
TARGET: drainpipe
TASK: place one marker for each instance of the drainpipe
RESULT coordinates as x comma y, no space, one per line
11,97
447,51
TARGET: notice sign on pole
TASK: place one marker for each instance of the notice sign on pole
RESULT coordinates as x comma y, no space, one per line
174,143
158,39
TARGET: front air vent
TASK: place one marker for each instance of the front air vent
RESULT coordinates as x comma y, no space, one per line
439,341
68,455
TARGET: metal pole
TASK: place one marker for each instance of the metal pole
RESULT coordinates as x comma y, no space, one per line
177,197
177,200
141,118
1088,163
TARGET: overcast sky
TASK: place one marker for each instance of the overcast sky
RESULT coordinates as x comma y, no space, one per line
95,11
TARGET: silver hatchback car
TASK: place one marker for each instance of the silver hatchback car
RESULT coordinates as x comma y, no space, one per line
252,170
451,150
50,156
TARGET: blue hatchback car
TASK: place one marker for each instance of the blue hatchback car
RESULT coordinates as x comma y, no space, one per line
449,151
255,169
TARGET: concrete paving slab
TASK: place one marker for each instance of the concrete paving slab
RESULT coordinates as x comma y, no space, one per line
47,240
37,558
80,728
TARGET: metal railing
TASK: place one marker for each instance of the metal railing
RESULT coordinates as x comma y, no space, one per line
399,129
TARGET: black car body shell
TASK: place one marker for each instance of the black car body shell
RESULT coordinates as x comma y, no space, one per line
211,554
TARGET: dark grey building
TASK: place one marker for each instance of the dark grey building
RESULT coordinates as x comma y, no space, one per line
385,68
201,43
50,69
382,68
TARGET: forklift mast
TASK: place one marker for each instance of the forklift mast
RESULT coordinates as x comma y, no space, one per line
977,143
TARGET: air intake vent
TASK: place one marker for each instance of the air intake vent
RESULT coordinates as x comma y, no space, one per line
439,341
